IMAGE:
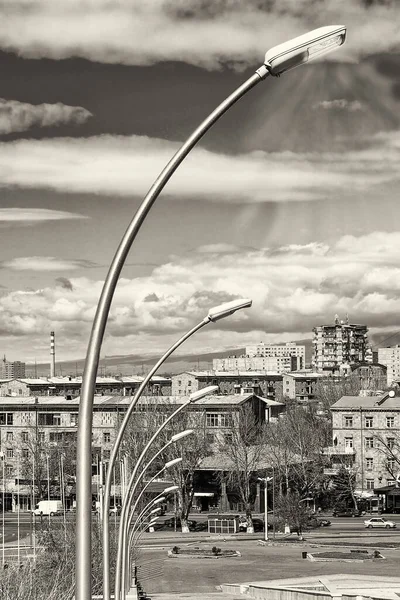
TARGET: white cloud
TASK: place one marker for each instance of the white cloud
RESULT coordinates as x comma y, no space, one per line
43,263
339,104
35,215
206,33
293,289
19,116
125,165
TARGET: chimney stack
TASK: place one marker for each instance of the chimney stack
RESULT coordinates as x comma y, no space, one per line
52,354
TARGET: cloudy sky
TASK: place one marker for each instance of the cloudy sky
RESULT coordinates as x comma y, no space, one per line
291,199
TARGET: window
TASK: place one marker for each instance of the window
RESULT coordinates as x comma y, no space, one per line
370,484
25,453
389,421
369,464
348,421
369,442
179,382
210,439
73,419
9,471
41,436
49,419
10,453
106,437
369,422
189,383
391,463
9,436
390,442
390,482
6,418
212,420
20,391
225,420
348,442
24,436
106,454
228,438
56,436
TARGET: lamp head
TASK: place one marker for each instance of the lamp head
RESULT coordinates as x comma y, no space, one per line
304,48
158,500
170,489
228,308
172,462
210,389
155,510
181,435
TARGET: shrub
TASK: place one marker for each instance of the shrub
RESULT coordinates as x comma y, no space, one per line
175,549
216,550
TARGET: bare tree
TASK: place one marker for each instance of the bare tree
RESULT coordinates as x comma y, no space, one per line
244,444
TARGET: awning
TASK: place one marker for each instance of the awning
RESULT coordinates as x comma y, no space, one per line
364,493
203,494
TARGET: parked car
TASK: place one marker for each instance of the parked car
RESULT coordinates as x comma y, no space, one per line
346,512
318,522
115,510
170,524
258,524
379,522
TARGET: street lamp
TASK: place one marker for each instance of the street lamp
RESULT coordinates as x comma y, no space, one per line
266,480
214,314
278,60
3,460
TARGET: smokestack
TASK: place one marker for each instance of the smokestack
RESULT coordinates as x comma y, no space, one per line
52,354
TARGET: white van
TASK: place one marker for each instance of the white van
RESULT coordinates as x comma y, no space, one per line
48,507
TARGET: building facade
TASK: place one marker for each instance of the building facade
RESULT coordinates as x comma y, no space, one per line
70,387
12,369
288,349
366,435
390,357
268,385
301,386
339,346
278,364
31,427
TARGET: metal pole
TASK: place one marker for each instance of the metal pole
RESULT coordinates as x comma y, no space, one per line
48,484
3,457
273,501
265,510
130,490
18,515
83,557
115,452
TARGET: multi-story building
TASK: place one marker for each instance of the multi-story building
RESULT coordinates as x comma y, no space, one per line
12,369
390,357
301,386
70,387
27,423
288,349
265,384
339,346
278,364
366,436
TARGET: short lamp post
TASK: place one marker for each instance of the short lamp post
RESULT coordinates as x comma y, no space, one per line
277,60
266,481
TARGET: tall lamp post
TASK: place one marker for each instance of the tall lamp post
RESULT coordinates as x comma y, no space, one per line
214,314
3,460
277,60
266,480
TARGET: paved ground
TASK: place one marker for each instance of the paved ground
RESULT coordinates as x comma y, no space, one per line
176,578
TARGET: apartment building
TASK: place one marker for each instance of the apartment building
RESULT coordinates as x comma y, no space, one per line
301,386
390,357
70,387
338,347
278,364
27,423
366,436
288,349
265,384
12,369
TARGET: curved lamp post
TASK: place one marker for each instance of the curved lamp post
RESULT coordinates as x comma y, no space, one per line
214,314
277,60
131,487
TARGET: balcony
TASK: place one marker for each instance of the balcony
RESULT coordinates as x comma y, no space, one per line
338,451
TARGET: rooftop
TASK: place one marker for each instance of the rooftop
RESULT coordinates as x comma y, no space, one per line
383,402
